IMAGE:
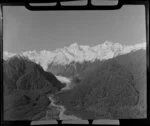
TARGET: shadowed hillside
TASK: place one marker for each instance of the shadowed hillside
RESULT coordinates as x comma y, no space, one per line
114,88
26,86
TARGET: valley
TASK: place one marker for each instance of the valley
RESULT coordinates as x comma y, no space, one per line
109,89
112,88
74,64
57,107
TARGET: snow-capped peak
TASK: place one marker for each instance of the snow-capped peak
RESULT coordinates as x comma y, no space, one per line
140,46
129,48
74,45
107,43
78,53
7,55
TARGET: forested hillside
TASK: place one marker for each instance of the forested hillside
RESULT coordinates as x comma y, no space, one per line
26,86
114,88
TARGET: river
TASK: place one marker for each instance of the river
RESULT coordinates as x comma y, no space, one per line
61,108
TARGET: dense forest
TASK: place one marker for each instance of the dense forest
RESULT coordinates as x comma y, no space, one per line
26,86
114,88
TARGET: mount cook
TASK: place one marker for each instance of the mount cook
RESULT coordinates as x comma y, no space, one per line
77,53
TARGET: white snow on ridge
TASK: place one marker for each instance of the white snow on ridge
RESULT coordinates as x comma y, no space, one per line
7,55
129,48
77,53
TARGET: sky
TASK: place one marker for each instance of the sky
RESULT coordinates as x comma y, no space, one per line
26,30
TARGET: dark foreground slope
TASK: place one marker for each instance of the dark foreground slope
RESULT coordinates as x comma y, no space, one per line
26,86
115,88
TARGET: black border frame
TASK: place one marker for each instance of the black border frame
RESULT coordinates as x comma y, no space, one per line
89,6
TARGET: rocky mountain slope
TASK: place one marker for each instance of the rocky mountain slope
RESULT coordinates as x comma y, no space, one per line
26,86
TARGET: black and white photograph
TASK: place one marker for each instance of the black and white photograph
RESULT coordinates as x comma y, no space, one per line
74,65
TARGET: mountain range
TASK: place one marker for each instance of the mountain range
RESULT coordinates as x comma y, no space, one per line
77,53
108,80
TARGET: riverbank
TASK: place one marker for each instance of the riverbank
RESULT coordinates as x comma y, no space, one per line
58,111
61,108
